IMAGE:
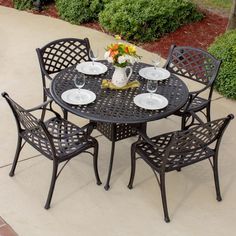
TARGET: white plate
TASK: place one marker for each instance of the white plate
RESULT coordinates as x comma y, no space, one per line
154,102
82,97
90,69
154,74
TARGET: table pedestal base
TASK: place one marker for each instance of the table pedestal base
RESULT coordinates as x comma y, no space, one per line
115,132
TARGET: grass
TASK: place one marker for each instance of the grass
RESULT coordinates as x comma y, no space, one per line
224,5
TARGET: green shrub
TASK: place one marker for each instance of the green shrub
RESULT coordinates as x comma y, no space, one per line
23,4
144,20
79,11
224,48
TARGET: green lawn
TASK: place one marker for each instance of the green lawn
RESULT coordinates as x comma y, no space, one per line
224,5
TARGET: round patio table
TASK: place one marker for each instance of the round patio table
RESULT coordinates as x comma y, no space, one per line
113,112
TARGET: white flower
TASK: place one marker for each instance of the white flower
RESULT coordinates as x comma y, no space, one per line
122,59
110,59
129,59
106,55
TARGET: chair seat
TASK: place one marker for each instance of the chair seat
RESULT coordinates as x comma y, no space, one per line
74,139
154,156
197,104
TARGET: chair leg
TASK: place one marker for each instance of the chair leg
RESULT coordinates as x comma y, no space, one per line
95,164
208,112
183,122
179,169
65,114
216,178
52,185
163,196
17,154
133,168
44,100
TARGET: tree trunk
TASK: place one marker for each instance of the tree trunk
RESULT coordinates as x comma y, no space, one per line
232,18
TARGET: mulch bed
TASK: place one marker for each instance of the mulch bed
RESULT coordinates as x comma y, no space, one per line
199,34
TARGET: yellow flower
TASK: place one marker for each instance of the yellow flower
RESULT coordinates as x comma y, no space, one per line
117,37
132,49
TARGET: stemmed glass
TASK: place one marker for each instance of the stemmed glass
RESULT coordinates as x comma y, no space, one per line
93,55
156,61
151,88
79,81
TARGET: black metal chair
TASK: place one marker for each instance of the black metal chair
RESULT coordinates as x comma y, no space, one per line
56,138
175,150
58,55
199,66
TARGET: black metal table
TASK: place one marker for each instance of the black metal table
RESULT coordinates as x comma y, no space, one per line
113,112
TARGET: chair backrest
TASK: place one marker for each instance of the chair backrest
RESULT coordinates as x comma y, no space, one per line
193,142
31,128
62,53
193,63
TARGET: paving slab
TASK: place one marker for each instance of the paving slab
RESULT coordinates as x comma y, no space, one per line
79,206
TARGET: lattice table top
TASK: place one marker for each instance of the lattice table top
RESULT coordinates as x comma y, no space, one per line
117,106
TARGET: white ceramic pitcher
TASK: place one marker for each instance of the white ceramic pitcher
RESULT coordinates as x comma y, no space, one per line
120,78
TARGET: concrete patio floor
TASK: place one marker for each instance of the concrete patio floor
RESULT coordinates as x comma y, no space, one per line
79,206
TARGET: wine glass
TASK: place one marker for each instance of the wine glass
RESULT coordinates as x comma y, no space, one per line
151,88
79,81
93,55
156,60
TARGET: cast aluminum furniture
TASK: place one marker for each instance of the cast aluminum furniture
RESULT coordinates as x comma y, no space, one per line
175,150
200,66
56,138
58,55
113,112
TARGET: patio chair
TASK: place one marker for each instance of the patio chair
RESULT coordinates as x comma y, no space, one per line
56,138
201,67
58,55
175,150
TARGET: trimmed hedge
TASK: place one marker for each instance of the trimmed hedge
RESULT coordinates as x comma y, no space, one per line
145,20
224,48
79,11
23,4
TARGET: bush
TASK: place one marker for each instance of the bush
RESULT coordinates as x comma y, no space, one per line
224,48
79,11
144,20
23,4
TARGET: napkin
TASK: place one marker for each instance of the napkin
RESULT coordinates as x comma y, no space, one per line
108,84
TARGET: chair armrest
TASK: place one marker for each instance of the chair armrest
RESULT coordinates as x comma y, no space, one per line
43,107
40,106
197,92
145,137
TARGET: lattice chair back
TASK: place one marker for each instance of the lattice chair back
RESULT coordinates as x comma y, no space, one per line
62,53
190,146
31,128
193,63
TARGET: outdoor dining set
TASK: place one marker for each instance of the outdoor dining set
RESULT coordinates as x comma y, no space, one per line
118,97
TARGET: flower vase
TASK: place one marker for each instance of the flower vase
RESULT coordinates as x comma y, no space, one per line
120,77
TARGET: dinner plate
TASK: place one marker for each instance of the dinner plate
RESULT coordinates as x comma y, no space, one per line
76,97
150,102
154,74
91,69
